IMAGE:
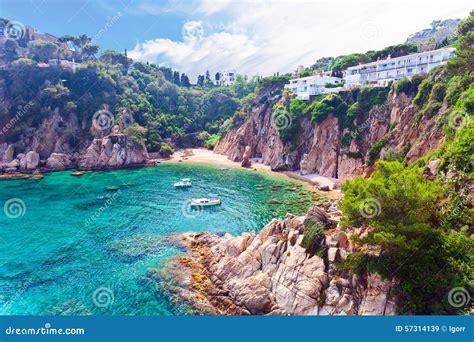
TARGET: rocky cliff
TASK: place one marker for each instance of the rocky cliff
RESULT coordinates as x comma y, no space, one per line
326,149
59,144
270,273
113,151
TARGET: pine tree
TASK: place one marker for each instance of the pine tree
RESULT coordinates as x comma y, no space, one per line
185,80
200,80
176,79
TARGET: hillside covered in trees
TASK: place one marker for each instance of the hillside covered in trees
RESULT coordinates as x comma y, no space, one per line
167,110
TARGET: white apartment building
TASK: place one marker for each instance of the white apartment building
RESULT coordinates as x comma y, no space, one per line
225,78
381,72
304,87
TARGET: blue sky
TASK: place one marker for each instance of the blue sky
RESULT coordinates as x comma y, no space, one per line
251,37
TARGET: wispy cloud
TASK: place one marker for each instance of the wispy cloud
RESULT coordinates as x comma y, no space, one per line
268,36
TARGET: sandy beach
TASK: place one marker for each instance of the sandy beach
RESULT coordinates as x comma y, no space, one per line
198,155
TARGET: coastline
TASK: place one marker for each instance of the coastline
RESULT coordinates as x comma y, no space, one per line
204,156
200,155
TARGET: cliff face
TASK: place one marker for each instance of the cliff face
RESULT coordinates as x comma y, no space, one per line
327,150
270,273
112,151
58,143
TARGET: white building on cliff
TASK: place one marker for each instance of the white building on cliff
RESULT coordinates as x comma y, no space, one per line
225,78
381,72
304,87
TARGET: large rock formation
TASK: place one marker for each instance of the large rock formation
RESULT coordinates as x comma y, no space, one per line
58,144
112,151
324,149
57,133
270,273
59,161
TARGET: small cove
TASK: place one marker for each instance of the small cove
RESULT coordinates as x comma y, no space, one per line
105,229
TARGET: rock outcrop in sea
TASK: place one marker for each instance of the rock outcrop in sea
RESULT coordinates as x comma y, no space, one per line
113,151
270,273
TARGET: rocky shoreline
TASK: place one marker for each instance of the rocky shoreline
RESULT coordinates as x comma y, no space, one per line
270,273
111,152
47,150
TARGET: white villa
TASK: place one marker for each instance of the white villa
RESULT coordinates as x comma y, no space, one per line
225,78
381,72
304,87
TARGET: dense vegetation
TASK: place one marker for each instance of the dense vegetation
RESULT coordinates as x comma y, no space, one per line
165,106
349,106
339,64
422,225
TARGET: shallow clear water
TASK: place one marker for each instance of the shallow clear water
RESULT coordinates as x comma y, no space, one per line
78,235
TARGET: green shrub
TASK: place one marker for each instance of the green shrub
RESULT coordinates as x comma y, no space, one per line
332,103
456,86
392,155
346,140
297,107
286,122
212,141
403,207
136,133
369,97
374,151
202,136
437,92
354,155
423,93
408,86
166,150
313,237
459,153
403,86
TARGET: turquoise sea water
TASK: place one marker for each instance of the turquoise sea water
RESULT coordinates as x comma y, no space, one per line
78,242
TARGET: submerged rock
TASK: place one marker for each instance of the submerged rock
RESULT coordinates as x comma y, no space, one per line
136,245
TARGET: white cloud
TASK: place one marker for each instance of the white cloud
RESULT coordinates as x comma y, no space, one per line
268,36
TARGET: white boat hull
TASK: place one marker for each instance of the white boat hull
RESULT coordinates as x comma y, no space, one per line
204,202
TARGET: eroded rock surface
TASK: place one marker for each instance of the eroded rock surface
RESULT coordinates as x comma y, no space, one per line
114,150
269,273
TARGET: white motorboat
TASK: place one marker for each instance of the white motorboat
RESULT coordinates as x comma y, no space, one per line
183,183
204,202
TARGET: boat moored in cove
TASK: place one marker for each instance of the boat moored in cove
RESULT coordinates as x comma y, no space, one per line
205,202
183,183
